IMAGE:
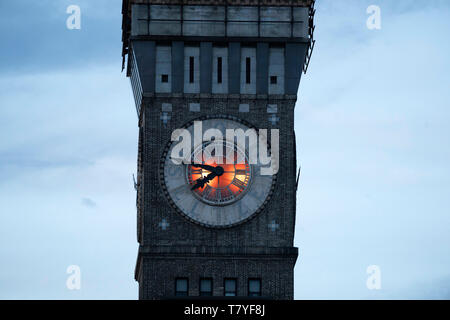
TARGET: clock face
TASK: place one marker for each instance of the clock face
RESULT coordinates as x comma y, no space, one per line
216,185
232,182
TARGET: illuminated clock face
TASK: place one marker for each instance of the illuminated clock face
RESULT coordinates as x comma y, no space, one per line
216,184
234,178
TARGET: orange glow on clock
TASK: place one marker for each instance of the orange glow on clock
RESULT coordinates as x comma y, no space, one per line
222,189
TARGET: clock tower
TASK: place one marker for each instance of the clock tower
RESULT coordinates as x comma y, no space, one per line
212,219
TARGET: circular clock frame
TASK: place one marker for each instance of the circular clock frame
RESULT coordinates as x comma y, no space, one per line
180,211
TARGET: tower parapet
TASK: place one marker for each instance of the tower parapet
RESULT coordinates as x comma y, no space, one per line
274,20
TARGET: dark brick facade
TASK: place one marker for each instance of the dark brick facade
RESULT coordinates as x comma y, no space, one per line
249,250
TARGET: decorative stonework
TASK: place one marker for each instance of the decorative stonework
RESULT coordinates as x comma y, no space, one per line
244,107
165,117
273,226
272,108
164,224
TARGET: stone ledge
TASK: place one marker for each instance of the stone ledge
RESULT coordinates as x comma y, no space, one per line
234,96
234,252
295,3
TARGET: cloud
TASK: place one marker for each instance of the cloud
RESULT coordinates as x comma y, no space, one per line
63,136
370,122
59,119
426,289
39,41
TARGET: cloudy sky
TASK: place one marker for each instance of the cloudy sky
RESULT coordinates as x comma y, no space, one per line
373,142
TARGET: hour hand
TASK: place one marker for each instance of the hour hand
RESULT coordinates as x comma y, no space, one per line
200,183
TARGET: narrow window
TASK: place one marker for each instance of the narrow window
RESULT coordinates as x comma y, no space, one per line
206,287
230,288
191,69
254,287
247,70
165,78
219,70
181,287
273,80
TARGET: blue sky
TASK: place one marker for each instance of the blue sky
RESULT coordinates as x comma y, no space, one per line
372,134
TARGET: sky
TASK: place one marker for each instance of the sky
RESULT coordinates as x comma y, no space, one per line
372,140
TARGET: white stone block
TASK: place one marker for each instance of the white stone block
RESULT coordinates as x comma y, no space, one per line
275,29
194,107
203,29
169,28
242,29
275,14
171,12
163,67
244,107
204,13
272,108
276,69
241,13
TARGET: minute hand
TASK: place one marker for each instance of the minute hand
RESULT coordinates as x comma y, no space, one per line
205,166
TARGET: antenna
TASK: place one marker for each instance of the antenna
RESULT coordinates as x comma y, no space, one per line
134,183
298,178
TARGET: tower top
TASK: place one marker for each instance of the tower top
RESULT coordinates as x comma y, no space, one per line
291,20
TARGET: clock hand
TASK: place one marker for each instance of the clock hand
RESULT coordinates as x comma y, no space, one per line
200,183
204,166
197,165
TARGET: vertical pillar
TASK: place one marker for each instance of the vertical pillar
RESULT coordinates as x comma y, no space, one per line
145,53
295,57
177,66
234,67
262,67
205,67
